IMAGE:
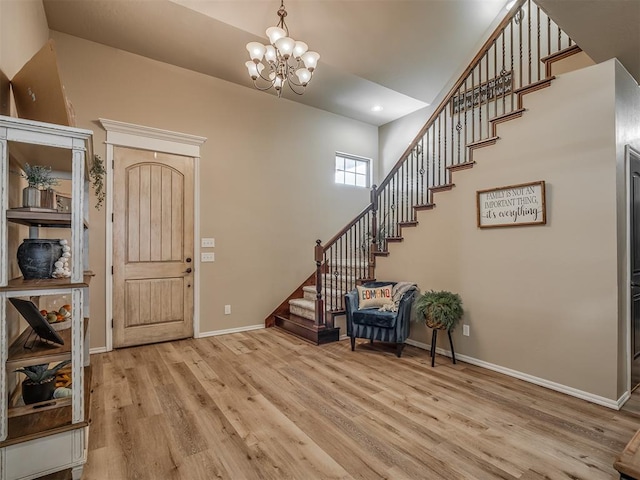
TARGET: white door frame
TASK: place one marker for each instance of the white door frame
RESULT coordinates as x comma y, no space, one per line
120,134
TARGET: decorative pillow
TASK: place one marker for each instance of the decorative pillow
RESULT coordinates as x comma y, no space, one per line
369,297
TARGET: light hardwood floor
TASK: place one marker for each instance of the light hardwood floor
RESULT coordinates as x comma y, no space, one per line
265,405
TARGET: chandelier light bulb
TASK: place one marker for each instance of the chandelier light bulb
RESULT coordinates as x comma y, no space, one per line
304,76
254,69
256,51
275,33
270,54
285,46
310,60
299,49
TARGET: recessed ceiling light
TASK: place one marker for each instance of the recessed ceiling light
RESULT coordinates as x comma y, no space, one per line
377,108
510,5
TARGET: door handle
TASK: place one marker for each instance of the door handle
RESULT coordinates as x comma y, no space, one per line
188,270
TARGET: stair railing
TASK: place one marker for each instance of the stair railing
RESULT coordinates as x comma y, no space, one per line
485,93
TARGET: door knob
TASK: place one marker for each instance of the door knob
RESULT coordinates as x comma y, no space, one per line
188,270
188,260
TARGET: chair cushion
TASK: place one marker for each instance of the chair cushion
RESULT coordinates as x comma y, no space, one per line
374,297
375,318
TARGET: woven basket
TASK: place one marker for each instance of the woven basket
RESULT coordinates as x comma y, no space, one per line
436,325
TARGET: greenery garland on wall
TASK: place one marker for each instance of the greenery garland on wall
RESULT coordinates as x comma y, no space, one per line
97,173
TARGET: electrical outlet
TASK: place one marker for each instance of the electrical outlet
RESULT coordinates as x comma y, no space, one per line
207,257
227,309
465,330
208,242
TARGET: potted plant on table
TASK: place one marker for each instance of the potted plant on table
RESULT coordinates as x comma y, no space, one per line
40,382
440,310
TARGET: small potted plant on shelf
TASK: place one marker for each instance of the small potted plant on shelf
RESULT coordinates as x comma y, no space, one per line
39,180
40,382
440,310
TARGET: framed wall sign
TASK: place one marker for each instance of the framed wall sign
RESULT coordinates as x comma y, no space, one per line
512,206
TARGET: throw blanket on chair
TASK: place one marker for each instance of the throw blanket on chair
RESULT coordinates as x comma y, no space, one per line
399,289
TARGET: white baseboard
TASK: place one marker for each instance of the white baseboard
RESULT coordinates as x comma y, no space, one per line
574,392
95,350
214,333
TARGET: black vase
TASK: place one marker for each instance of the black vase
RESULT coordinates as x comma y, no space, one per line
36,257
38,392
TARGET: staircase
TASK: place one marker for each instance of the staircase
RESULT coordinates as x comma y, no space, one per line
517,59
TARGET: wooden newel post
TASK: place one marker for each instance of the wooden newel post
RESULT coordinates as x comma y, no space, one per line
374,229
319,257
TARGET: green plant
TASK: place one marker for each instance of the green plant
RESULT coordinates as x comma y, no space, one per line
439,309
41,373
38,176
97,173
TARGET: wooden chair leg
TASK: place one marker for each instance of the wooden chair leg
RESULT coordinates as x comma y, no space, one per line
399,348
453,354
353,343
434,338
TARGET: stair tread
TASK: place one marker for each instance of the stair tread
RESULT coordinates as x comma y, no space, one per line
303,303
478,143
325,291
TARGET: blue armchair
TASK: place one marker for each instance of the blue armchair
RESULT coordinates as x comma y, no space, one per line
375,324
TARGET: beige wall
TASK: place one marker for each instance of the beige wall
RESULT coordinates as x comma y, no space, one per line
396,136
266,180
23,31
540,300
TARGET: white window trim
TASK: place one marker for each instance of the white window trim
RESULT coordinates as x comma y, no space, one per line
359,158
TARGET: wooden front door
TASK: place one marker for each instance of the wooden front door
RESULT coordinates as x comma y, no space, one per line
152,247
634,172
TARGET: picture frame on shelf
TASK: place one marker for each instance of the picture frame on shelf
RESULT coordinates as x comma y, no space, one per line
63,202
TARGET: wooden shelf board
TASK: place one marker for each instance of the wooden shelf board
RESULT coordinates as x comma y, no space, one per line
48,422
39,407
20,283
44,219
41,352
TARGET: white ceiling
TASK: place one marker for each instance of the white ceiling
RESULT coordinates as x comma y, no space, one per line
395,53
399,54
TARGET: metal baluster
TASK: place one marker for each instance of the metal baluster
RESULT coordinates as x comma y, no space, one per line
495,78
434,172
422,171
473,106
401,193
513,75
440,149
529,36
559,38
538,66
504,93
548,35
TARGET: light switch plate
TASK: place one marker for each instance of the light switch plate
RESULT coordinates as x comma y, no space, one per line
208,242
207,257
227,309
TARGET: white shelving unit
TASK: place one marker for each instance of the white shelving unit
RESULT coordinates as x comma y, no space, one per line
39,439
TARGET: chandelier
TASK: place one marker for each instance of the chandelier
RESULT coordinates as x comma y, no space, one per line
287,61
